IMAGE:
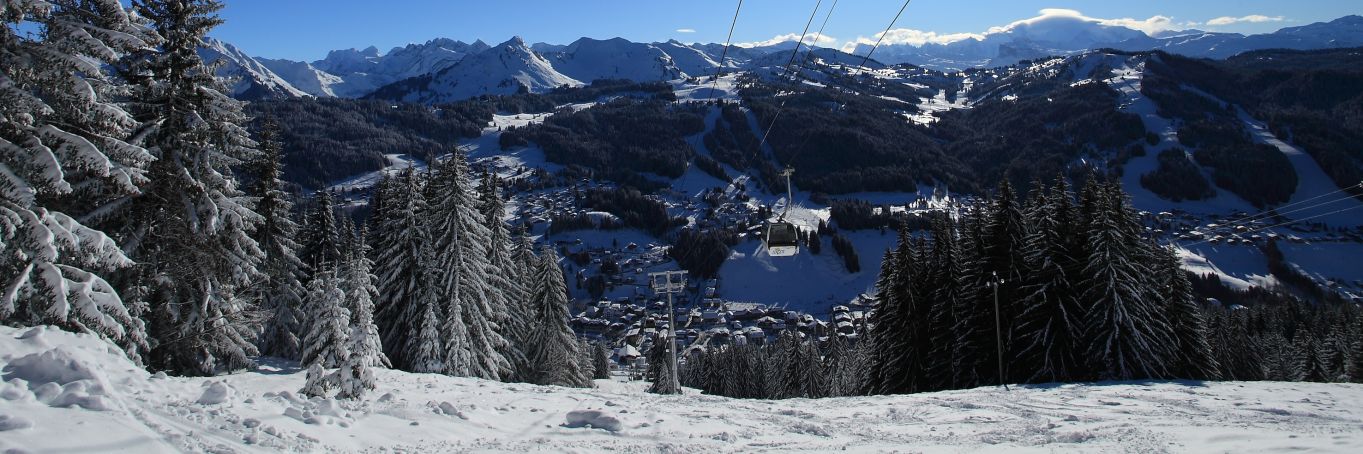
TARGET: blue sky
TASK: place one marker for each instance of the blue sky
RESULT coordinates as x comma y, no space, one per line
307,29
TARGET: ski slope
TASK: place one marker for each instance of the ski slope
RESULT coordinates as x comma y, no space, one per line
74,393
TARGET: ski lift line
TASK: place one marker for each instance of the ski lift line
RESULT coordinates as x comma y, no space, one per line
794,53
1278,209
1284,213
719,71
1283,224
804,33
882,34
864,59
809,55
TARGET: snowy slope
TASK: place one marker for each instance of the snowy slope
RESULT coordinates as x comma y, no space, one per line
249,79
589,59
304,76
352,73
694,62
73,393
500,70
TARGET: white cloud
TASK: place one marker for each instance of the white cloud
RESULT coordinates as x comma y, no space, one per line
1153,24
913,37
686,30
1253,18
823,41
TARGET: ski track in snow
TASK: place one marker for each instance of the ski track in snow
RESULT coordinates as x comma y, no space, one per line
261,412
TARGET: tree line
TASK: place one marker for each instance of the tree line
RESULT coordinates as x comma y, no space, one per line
139,207
1082,295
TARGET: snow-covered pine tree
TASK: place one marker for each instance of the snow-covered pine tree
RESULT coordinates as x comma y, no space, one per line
813,383
601,361
281,296
944,291
190,227
879,321
366,348
551,347
462,280
660,365
522,315
974,351
403,258
1125,332
319,383
327,343
837,368
1355,361
1048,335
586,364
1191,355
347,235
899,343
65,155
355,376
1307,364
321,238
1004,233
424,350
505,276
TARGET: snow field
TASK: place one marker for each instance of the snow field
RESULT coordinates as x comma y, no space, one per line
260,411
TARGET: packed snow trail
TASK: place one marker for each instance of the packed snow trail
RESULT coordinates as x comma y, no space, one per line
74,393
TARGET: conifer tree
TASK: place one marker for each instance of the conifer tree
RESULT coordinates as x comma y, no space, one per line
1307,363
975,349
522,315
190,226
505,276
601,361
1005,230
281,296
319,383
322,235
67,152
1191,353
1355,367
880,321
551,347
462,281
366,348
327,342
660,365
403,259
1049,333
1126,333
424,353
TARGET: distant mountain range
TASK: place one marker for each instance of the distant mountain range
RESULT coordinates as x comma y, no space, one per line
1067,35
443,70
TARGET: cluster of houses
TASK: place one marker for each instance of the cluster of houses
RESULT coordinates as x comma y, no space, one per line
629,325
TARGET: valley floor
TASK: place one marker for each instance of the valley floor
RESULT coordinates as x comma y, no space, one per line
68,393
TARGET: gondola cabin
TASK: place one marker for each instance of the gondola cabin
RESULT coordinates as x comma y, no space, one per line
783,240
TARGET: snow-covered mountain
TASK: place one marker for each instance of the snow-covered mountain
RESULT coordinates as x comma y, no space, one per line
247,78
1064,34
352,73
504,69
617,58
304,76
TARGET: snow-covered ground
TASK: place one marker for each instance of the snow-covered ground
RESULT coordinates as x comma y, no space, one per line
396,163
74,393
